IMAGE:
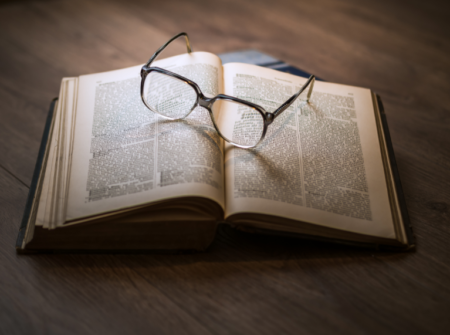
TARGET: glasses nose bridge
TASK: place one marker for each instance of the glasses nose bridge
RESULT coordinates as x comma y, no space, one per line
205,102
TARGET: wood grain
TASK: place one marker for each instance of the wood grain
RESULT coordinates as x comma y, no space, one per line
243,284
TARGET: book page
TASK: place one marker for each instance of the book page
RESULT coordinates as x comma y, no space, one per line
319,162
125,155
53,197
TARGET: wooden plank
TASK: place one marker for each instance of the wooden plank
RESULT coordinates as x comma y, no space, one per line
20,135
28,84
284,285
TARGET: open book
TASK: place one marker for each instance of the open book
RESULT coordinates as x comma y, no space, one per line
113,175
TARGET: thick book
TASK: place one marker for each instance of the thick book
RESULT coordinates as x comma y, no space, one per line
111,175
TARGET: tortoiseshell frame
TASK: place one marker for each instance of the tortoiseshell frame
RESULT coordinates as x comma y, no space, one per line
207,103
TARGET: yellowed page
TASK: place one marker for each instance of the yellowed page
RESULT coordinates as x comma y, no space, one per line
47,192
124,155
319,163
64,145
53,196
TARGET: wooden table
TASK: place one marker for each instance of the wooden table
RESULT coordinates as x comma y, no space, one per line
242,284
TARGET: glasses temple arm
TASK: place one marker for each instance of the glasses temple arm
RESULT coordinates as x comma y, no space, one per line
289,101
156,54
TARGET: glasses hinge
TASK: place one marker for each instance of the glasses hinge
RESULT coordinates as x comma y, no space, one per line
269,118
143,70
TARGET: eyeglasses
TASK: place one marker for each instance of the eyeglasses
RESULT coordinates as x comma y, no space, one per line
239,122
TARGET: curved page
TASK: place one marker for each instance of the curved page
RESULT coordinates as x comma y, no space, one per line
124,155
319,162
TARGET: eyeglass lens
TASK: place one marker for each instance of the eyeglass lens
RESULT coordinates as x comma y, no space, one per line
168,96
238,123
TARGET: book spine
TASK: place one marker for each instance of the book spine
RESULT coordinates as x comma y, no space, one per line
34,181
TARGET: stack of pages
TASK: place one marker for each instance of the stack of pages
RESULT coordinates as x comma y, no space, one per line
113,175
